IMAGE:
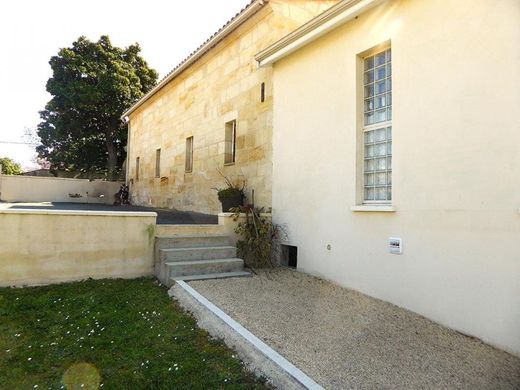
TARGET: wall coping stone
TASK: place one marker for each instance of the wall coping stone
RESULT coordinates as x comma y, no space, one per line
231,215
80,212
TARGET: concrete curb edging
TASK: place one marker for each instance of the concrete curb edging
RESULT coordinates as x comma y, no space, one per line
88,213
258,355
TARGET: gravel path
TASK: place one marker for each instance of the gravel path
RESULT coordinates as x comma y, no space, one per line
344,339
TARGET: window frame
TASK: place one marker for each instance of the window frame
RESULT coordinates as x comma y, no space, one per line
363,129
157,163
230,142
188,162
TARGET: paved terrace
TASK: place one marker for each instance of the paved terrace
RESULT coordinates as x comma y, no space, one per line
164,216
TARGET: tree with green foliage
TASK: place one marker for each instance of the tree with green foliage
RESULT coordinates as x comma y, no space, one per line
9,167
92,84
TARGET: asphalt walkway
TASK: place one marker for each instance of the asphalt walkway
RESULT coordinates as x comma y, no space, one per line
164,216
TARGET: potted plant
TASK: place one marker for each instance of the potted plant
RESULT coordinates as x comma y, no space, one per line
232,195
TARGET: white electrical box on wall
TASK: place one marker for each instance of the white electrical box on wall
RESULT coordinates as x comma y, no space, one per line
395,245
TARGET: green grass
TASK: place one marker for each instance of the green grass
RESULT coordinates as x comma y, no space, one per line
109,334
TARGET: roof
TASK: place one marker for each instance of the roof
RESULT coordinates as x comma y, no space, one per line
248,11
332,18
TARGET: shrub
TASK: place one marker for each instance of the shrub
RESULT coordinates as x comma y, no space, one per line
259,245
9,166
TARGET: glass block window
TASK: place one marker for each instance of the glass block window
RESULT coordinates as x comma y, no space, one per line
377,83
377,129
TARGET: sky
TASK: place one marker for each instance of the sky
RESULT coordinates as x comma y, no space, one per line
32,31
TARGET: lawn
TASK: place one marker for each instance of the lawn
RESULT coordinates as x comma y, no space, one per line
109,334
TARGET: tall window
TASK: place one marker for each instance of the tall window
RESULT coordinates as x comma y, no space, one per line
136,168
158,163
377,127
262,92
231,137
189,154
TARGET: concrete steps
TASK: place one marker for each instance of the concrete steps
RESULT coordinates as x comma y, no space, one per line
200,267
192,241
220,275
194,252
188,230
198,253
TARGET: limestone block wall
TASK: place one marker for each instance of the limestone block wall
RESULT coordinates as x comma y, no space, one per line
222,86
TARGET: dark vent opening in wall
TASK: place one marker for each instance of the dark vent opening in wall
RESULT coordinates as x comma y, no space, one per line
289,256
262,92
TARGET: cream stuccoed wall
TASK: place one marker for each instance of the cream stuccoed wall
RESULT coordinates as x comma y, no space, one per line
14,188
49,246
456,162
222,86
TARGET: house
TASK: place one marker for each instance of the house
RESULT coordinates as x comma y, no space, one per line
396,156
212,112
41,172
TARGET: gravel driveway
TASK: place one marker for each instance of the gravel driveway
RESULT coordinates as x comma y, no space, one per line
344,339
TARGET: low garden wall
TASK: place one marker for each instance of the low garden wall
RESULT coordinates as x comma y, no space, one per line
15,188
49,246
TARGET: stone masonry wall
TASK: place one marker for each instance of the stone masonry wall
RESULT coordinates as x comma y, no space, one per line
222,86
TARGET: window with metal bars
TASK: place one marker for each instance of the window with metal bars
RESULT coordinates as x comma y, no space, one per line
377,127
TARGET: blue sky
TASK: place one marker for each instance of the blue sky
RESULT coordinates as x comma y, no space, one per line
33,31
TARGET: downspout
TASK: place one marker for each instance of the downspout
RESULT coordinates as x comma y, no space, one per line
1,182
128,134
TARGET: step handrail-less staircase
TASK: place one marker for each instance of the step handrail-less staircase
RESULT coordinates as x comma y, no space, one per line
195,252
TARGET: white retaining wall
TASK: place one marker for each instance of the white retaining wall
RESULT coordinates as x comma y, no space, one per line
14,188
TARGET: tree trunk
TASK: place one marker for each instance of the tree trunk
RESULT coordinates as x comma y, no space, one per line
112,157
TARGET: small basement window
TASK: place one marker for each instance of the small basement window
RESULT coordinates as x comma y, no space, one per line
289,256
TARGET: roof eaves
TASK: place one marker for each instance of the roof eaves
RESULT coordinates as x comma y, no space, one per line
248,11
330,19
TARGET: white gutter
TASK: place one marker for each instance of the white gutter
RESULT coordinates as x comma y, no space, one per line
249,11
127,165
334,17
